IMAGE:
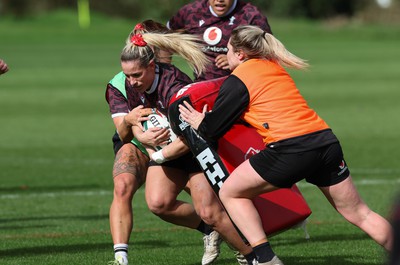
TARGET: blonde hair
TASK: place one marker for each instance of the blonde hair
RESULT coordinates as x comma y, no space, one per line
256,43
185,45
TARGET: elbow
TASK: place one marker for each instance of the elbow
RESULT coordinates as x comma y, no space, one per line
125,138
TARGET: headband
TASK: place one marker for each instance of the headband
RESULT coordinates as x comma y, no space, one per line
139,27
138,40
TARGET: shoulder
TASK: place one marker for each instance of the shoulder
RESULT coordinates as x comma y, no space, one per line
252,15
195,6
117,79
256,65
171,72
248,8
233,81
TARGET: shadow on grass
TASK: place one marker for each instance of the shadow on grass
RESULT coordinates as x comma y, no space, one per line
77,248
314,239
49,218
18,227
33,251
328,260
26,188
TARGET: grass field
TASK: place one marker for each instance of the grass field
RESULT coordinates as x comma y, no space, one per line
56,156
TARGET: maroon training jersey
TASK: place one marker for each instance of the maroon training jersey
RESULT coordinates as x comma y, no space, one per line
168,81
196,18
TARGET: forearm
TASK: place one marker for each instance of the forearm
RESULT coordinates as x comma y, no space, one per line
124,130
172,151
175,149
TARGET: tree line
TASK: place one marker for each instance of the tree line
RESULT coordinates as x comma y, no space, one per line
163,9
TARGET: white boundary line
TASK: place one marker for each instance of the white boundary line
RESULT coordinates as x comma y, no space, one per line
55,194
363,182
27,194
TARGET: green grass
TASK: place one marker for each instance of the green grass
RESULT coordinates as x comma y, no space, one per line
56,156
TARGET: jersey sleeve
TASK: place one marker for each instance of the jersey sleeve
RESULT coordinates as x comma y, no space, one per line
262,22
178,20
257,18
232,100
116,101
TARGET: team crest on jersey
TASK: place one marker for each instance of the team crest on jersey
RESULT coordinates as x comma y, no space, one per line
231,20
212,35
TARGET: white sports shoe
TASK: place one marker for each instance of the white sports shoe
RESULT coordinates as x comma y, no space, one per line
275,261
211,247
119,260
240,258
113,262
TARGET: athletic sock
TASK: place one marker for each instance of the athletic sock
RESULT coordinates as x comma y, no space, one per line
121,253
204,228
250,257
264,252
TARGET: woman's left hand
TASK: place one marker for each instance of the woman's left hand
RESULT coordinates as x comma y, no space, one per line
222,62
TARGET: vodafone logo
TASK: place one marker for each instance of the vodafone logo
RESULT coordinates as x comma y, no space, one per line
212,35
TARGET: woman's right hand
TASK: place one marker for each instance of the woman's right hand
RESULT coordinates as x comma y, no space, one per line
137,115
154,136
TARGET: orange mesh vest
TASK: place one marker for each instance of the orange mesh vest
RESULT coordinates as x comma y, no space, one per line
276,108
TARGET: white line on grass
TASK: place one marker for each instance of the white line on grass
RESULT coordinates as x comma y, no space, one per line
302,184
57,194
364,182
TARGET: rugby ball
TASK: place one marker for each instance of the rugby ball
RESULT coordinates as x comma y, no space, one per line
158,119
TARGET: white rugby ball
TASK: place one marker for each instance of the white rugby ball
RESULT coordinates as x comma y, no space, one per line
159,120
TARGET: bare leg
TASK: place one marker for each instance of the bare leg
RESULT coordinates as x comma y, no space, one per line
129,174
347,201
236,195
211,211
162,188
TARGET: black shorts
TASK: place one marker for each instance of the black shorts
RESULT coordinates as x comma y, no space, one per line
324,166
117,143
186,163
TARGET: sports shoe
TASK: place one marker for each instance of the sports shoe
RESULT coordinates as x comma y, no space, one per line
240,258
113,262
274,261
120,260
211,247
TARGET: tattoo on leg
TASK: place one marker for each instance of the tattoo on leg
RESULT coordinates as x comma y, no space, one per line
131,161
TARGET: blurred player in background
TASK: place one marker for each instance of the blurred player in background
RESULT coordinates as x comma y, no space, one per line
3,67
213,21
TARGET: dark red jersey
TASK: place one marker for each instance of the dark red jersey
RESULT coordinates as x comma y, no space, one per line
122,98
196,18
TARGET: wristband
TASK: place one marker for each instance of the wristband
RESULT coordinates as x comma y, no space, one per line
158,157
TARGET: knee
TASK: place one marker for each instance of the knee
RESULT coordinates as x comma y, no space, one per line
158,205
210,216
123,188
